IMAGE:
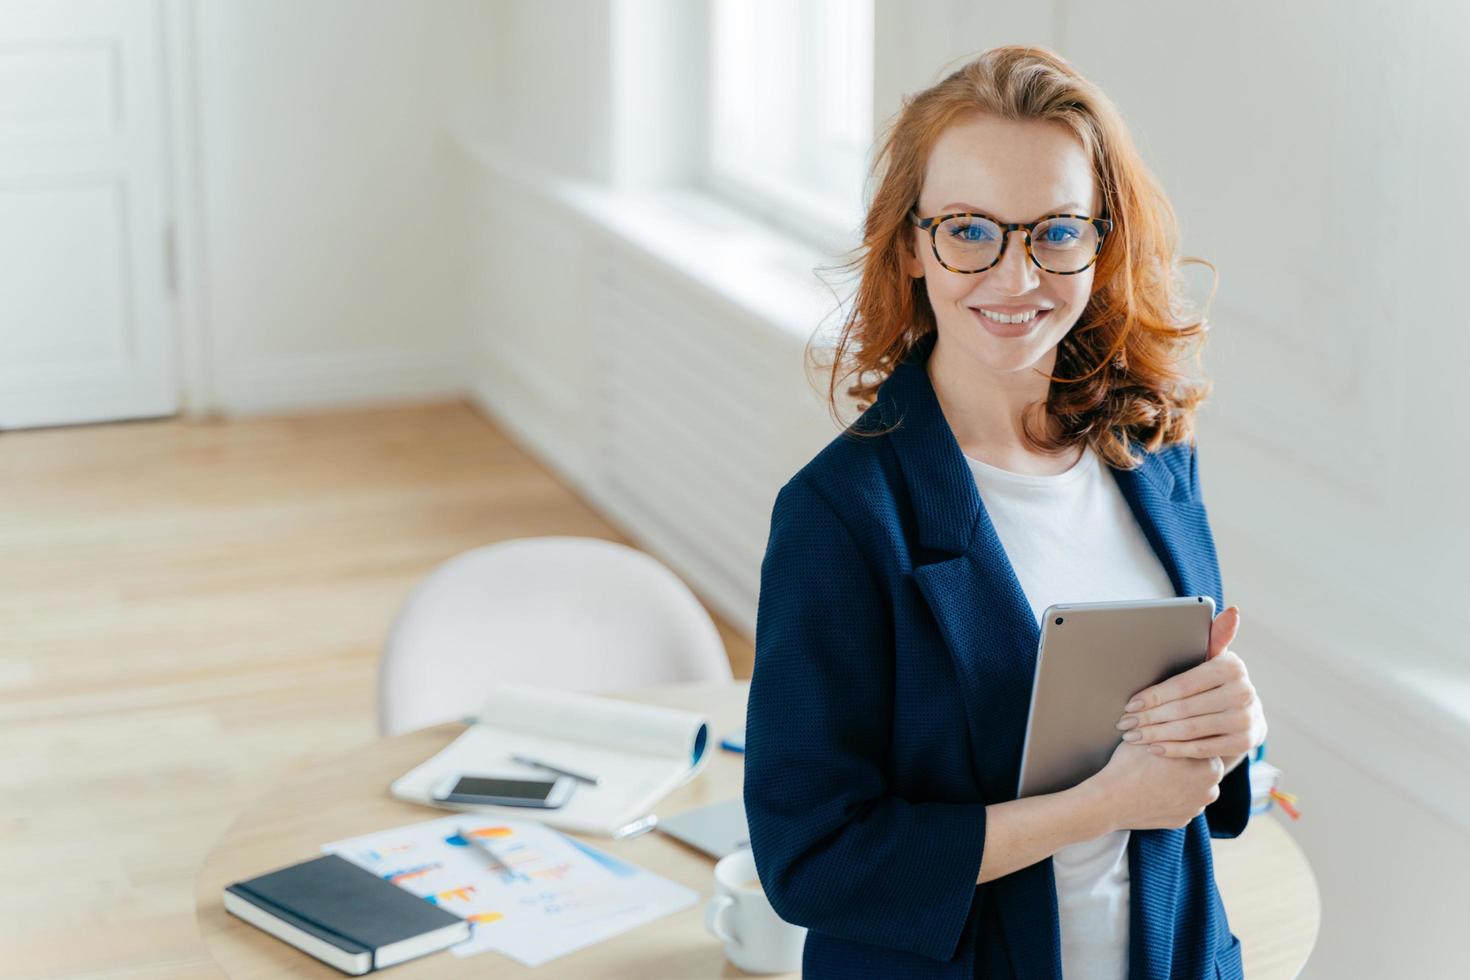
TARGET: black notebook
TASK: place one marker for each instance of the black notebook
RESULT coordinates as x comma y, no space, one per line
344,915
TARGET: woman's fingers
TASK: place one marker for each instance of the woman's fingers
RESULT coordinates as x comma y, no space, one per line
1209,710
1220,698
1221,666
1225,667
1234,722
1225,746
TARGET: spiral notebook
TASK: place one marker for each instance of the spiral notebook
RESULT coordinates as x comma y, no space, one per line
639,753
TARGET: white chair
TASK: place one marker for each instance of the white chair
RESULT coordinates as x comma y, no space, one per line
571,613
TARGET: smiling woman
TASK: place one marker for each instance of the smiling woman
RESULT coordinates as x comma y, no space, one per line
1013,187
1028,440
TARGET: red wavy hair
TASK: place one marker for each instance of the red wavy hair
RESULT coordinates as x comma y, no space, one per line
1121,366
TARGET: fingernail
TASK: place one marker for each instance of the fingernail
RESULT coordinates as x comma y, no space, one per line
1133,736
1127,723
1133,705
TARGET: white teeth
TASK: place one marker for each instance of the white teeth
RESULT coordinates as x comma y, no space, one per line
1008,318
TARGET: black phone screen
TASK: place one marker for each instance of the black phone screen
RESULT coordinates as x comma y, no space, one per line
521,789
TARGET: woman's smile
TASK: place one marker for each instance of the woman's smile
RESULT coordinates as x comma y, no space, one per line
1000,329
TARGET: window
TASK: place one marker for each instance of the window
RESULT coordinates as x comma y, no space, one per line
791,112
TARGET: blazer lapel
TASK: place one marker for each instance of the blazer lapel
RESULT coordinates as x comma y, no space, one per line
962,571
992,637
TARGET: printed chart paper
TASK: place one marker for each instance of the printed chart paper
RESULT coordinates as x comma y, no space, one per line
559,895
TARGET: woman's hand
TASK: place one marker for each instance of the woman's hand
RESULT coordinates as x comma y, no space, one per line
1148,792
1209,710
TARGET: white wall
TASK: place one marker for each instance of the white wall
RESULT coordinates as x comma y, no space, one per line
333,252
548,72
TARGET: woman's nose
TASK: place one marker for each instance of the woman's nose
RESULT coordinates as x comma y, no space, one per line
1015,272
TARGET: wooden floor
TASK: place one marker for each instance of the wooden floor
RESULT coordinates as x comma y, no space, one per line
188,609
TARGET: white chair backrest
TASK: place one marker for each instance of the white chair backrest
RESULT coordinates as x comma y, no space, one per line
571,613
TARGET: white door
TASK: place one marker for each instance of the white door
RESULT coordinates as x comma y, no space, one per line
86,313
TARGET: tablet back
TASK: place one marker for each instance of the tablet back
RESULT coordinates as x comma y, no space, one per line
1093,657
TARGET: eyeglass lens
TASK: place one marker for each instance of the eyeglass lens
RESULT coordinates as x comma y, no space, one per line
970,244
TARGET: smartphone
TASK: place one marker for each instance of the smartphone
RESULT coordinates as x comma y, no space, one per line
547,794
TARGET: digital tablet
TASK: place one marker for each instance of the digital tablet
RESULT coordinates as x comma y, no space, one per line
1093,657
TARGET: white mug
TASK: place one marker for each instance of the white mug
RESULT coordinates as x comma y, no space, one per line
756,939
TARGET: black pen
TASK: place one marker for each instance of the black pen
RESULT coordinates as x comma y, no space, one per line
523,760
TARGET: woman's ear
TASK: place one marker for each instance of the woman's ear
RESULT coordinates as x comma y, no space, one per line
912,264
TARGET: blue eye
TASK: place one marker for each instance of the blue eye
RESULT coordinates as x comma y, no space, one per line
971,233
1059,235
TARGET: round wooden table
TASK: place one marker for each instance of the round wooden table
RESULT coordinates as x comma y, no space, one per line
1264,880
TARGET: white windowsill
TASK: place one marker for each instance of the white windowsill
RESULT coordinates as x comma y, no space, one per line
761,269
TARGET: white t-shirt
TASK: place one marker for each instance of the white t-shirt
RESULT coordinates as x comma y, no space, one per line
1071,537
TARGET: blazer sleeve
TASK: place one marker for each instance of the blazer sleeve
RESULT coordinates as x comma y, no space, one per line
835,850
1228,816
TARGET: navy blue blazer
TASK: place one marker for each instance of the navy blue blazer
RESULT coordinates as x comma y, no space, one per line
894,658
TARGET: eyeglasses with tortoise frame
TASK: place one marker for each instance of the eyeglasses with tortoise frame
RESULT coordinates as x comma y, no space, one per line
931,225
